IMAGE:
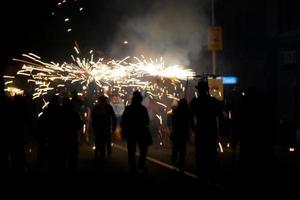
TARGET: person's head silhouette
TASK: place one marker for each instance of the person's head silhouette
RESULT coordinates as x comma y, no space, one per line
202,87
102,99
137,97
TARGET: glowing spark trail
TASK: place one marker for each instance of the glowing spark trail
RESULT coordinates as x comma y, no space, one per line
161,83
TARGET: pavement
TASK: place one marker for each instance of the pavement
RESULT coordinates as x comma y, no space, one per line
114,178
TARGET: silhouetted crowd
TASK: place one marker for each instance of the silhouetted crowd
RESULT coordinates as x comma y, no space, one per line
58,129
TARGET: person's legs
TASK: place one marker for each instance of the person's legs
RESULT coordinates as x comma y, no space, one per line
182,153
201,164
108,144
131,145
102,151
174,155
143,154
97,150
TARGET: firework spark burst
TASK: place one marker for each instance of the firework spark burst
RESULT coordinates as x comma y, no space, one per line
159,82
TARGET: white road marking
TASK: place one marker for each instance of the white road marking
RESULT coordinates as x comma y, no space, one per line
166,165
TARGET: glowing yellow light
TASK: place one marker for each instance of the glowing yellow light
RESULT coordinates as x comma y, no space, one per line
160,143
84,128
14,91
125,42
5,76
77,51
220,146
40,114
159,103
8,82
34,55
160,118
94,147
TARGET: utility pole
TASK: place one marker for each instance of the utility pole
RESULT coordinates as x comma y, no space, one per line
214,53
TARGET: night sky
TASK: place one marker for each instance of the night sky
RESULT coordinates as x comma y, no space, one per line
176,30
31,26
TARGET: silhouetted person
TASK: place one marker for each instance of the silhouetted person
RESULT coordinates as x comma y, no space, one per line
256,151
42,141
170,119
180,134
236,126
77,102
55,136
71,127
104,124
135,128
5,166
5,123
205,109
17,134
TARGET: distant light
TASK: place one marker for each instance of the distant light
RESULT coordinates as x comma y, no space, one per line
243,93
64,1
228,145
84,87
229,114
52,13
160,143
125,42
80,9
112,144
30,150
291,149
230,80
67,19
14,91
91,51
69,30
84,128
94,147
59,4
